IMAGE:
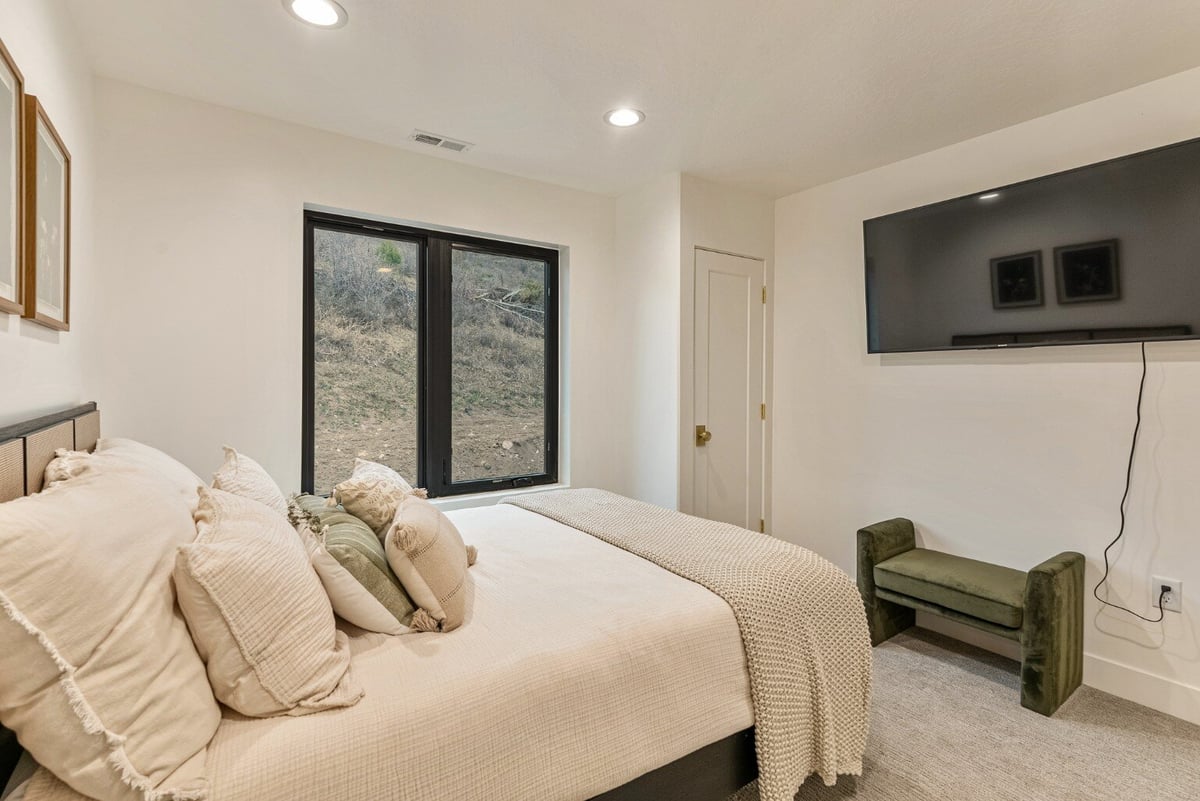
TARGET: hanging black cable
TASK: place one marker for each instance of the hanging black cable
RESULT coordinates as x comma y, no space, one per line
1124,498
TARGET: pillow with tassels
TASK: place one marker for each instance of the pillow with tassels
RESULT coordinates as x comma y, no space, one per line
428,555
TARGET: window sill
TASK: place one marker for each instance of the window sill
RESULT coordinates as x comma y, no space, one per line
492,498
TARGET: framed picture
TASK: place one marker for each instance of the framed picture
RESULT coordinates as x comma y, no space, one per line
12,189
47,221
1087,273
1017,281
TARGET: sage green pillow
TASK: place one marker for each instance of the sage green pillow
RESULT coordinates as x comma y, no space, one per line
356,548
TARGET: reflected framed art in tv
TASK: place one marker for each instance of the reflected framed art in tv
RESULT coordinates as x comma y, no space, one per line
1017,281
1087,273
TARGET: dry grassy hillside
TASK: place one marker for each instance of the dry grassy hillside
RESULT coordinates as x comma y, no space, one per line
366,360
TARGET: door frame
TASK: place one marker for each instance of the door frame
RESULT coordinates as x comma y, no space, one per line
687,374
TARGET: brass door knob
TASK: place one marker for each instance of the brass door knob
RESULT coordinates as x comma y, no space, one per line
703,435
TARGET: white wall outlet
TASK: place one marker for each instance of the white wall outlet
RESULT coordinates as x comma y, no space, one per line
1173,600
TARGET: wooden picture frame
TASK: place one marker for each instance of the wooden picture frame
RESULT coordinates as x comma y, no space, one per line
1089,272
12,158
47,237
1017,281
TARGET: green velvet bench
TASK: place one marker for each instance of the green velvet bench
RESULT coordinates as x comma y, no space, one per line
1041,609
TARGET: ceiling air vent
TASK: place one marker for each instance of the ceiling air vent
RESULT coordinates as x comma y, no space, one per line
433,140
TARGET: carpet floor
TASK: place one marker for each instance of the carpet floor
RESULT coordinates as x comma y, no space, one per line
947,724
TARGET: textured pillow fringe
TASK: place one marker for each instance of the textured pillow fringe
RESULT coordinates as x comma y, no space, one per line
305,522
423,621
406,537
472,555
118,759
230,459
67,464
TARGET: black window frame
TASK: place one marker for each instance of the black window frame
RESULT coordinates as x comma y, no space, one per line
434,352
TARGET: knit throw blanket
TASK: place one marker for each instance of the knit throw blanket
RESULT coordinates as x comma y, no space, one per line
801,619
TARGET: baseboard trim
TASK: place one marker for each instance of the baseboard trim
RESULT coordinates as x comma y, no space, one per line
1169,696
1134,684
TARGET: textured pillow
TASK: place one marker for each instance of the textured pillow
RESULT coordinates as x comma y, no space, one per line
101,681
372,494
128,454
427,554
258,614
65,465
352,565
243,476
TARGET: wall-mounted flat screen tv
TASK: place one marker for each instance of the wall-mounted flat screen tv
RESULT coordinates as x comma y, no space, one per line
1104,253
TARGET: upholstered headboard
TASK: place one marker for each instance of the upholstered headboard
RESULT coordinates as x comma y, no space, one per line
25,450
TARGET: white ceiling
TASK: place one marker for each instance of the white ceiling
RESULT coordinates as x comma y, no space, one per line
772,95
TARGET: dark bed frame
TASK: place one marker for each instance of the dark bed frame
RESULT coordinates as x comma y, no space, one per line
711,773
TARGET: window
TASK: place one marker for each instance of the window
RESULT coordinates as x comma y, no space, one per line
434,354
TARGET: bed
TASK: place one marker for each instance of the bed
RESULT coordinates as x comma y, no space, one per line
583,672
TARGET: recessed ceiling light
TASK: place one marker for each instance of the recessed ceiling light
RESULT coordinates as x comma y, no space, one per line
321,13
990,196
624,117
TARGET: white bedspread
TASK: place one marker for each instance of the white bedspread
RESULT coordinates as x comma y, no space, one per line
580,668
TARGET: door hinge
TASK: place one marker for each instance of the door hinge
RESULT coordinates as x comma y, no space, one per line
762,526
762,410
764,294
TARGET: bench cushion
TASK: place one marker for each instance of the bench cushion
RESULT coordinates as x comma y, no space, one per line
979,589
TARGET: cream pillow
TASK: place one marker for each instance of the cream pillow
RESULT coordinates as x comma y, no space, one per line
372,494
243,476
101,681
258,613
130,454
427,554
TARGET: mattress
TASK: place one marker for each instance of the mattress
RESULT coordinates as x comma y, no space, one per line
580,668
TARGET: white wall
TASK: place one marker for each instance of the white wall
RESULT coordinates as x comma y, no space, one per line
1003,456
200,242
648,242
44,370
659,227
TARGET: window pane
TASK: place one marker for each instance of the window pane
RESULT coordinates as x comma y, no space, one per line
498,384
365,338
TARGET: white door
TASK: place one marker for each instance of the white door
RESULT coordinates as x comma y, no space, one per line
728,440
